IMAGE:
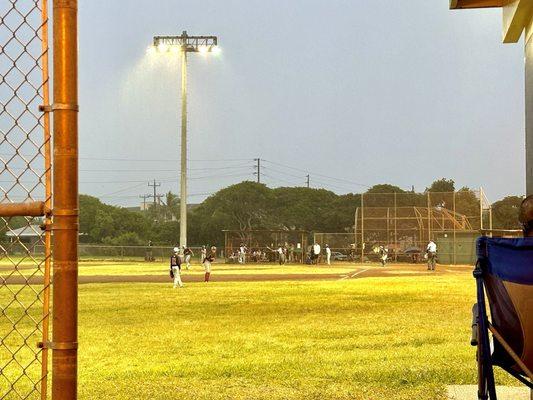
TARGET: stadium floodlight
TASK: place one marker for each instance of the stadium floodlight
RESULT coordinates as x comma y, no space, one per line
181,45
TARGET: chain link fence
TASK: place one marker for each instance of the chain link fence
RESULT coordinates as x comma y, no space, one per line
405,222
25,180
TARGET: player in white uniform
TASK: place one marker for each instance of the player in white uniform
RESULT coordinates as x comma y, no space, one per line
328,254
316,252
431,251
175,268
242,254
207,263
282,258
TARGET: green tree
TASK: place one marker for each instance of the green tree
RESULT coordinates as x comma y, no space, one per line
442,185
243,206
301,208
505,213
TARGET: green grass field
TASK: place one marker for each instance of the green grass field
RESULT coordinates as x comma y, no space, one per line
372,338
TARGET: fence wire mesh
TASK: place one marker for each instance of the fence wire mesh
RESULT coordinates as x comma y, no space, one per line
405,222
24,177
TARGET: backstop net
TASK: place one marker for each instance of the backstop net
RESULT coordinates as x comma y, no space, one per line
25,186
405,222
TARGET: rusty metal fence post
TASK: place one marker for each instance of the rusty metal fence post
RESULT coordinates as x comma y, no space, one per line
65,208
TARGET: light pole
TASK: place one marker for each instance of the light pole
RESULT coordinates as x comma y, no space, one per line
182,45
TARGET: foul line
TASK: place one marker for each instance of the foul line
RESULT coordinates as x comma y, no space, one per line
354,274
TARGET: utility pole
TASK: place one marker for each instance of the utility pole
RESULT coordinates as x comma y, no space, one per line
258,169
144,197
308,181
154,196
182,45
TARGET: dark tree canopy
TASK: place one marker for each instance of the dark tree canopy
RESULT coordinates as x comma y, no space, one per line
250,205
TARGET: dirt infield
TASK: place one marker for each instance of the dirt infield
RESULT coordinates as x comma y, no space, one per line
359,272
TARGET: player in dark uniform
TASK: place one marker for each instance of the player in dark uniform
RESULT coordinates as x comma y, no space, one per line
209,258
526,216
187,254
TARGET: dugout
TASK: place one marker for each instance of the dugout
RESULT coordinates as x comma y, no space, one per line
262,245
458,249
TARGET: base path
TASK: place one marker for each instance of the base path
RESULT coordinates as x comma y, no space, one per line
359,272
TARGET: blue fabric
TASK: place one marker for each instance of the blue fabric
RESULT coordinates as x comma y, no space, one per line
508,259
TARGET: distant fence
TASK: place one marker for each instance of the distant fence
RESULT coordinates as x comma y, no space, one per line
89,252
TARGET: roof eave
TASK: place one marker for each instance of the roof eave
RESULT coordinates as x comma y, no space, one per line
460,4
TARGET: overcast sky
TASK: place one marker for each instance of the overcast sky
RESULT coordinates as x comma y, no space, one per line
366,92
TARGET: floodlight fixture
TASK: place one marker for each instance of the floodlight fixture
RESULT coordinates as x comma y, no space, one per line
186,43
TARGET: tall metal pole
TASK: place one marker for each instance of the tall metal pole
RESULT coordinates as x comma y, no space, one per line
48,199
529,115
481,208
183,177
65,208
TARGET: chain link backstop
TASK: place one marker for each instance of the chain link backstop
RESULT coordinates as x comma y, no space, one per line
25,185
405,222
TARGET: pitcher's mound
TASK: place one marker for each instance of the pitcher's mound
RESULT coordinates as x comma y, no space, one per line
469,392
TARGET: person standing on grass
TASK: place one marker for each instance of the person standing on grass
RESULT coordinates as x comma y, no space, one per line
175,268
207,263
281,255
431,251
383,255
242,254
526,216
316,252
188,253
328,254
203,254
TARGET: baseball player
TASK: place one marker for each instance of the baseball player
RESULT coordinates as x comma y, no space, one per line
328,254
526,216
431,254
203,254
187,254
383,255
316,253
207,263
242,254
175,268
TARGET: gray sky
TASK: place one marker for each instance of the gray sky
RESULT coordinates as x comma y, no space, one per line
381,91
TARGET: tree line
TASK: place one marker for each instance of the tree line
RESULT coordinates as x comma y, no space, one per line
250,205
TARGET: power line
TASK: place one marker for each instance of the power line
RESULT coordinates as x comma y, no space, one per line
315,173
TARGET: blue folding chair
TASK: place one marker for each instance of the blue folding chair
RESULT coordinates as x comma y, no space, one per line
504,271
